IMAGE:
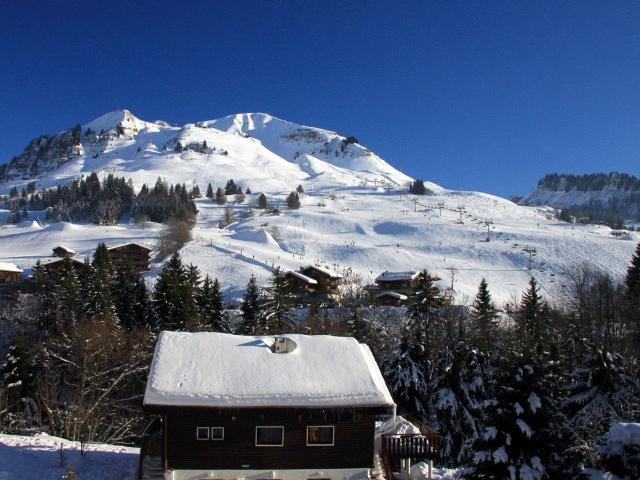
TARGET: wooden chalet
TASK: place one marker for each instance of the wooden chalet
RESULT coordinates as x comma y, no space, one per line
300,283
136,254
402,282
314,284
9,273
288,407
54,266
390,298
62,251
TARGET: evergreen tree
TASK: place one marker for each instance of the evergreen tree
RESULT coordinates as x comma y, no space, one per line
417,187
293,201
484,315
425,306
230,188
66,293
221,198
250,308
357,326
99,301
209,191
525,434
532,318
130,298
262,201
248,191
458,387
171,296
212,307
179,147
195,192
299,189
276,301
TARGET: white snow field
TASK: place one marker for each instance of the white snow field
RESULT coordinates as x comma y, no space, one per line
38,457
353,215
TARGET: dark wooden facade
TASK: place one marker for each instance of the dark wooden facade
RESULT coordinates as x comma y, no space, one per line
62,251
134,254
299,286
9,276
327,283
55,266
354,431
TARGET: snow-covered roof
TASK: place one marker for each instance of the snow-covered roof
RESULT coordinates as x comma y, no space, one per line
223,370
129,243
326,271
58,260
9,267
389,293
66,249
397,276
303,277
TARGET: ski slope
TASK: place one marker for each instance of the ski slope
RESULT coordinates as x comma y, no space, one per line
355,211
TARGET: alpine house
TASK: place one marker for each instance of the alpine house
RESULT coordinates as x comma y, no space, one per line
284,407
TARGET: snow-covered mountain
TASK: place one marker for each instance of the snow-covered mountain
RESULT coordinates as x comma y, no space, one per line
255,149
617,192
356,213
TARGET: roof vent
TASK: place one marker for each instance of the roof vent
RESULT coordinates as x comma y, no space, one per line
283,345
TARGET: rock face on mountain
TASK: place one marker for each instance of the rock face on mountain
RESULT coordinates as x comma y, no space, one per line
598,195
253,148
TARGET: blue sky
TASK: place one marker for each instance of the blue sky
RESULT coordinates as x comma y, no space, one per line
479,95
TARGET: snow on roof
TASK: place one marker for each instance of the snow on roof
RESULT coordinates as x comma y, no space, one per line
129,243
9,267
304,278
58,260
224,370
66,249
324,270
397,276
389,293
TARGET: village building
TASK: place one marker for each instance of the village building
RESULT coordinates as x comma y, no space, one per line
285,407
315,284
393,288
9,273
62,251
54,266
135,254
390,298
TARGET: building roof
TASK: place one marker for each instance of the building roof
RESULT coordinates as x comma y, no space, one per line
59,260
326,271
303,277
66,249
397,276
390,293
223,370
9,267
130,244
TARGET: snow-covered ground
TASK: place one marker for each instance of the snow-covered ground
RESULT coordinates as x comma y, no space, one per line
368,229
38,457
353,215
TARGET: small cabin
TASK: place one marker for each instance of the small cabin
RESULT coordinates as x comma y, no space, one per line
390,298
62,251
54,266
287,407
403,282
328,280
135,254
301,284
9,273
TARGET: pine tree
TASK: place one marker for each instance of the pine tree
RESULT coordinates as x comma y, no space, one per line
230,188
293,201
179,147
417,187
209,191
458,387
299,189
212,307
424,308
484,315
276,301
357,326
99,301
126,296
221,198
525,434
66,290
262,201
250,308
170,295
195,192
532,318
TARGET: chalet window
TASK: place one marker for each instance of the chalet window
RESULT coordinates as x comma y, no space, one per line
269,436
320,435
202,433
217,433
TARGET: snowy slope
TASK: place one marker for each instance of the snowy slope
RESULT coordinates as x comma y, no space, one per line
276,157
354,213
38,457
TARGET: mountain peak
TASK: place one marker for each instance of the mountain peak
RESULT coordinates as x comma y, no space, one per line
111,120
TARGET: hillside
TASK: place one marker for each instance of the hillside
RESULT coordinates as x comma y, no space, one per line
355,210
599,195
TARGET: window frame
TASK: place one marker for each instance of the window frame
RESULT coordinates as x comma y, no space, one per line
198,430
281,427
333,436
216,439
